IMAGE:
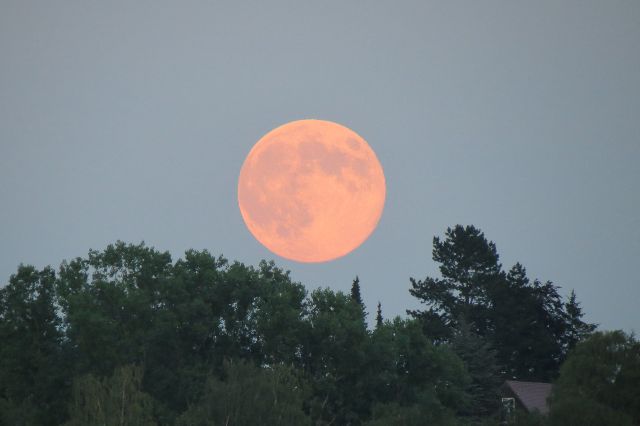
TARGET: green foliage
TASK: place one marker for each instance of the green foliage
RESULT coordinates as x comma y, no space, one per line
426,411
468,265
580,411
356,297
249,395
577,330
212,339
109,301
334,356
480,361
33,371
112,401
21,413
523,418
599,380
280,318
404,366
528,326
355,292
129,304
526,322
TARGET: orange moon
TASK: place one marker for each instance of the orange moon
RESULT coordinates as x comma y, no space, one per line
311,190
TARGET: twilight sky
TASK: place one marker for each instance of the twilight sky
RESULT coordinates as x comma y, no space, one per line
131,120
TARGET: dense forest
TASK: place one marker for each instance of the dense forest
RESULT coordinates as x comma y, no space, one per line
127,336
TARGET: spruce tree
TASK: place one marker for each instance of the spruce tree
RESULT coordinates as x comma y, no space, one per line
355,292
379,316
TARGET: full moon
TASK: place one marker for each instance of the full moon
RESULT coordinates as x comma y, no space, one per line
311,190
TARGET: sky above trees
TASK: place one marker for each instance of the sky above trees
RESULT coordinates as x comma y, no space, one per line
131,122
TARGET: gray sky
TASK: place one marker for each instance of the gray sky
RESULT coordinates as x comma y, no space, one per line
131,120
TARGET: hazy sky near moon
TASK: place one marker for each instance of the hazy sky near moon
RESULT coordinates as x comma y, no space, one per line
131,120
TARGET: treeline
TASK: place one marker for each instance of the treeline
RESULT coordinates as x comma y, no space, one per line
126,336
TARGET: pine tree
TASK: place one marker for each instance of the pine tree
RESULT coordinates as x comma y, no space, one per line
469,265
379,316
524,321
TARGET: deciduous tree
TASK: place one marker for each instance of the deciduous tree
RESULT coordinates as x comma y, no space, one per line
113,401
599,382
248,395
33,369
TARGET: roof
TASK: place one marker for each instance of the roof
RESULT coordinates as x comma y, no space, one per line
532,395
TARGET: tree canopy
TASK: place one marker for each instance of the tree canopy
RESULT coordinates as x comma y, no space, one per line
525,321
599,382
127,335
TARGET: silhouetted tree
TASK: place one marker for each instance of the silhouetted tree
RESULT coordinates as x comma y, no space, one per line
527,326
524,321
379,316
355,292
212,337
33,372
576,329
469,266
480,361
